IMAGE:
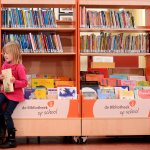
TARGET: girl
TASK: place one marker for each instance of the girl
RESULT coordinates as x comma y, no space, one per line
13,60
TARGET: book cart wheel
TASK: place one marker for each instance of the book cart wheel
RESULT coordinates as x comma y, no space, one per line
80,139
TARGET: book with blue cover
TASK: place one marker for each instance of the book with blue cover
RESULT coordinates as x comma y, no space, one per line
67,92
106,93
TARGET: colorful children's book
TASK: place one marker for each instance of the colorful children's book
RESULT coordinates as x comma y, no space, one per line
119,88
64,83
90,84
89,93
111,82
52,93
143,94
67,93
8,86
29,93
106,93
29,79
119,76
130,83
123,94
137,78
103,71
142,83
40,93
94,77
48,83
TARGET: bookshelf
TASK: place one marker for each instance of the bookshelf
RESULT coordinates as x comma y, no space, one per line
94,121
55,63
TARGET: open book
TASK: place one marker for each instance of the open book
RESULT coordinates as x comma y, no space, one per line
8,86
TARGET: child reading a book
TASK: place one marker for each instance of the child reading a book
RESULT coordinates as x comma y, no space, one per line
13,62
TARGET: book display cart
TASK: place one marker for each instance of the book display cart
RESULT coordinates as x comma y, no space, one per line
45,117
79,117
104,117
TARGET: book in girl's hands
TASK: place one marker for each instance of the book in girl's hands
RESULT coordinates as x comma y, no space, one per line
8,86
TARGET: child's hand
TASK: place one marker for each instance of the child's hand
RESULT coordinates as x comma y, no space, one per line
12,79
2,77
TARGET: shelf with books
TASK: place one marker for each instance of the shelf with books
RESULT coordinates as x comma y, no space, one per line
48,47
100,22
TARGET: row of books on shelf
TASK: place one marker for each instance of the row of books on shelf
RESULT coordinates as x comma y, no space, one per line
60,93
117,86
118,92
35,43
28,18
48,81
106,18
115,43
47,86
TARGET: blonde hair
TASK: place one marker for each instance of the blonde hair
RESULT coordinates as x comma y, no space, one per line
14,49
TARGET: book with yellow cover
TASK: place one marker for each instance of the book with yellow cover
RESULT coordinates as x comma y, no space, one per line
8,86
123,94
40,93
48,83
64,83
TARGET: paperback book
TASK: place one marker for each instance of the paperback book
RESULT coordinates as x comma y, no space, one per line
8,86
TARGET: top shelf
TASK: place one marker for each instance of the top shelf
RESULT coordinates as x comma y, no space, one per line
38,3
145,4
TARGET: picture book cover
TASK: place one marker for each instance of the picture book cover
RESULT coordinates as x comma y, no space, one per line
64,83
89,84
29,79
137,78
8,86
94,77
143,94
84,73
118,88
106,93
130,83
142,83
123,94
103,71
52,93
67,93
89,93
119,76
47,83
40,93
29,93
111,82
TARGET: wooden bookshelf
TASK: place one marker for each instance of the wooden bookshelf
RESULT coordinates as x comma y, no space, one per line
115,4
38,3
65,29
113,126
114,54
56,64
48,54
130,30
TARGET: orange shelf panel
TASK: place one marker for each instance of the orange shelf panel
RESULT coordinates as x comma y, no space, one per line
114,54
137,29
116,3
39,3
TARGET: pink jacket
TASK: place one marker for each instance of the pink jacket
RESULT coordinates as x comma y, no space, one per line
18,71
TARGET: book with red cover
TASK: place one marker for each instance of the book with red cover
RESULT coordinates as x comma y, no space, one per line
103,71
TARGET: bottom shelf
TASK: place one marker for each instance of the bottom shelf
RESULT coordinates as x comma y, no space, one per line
114,127
48,127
